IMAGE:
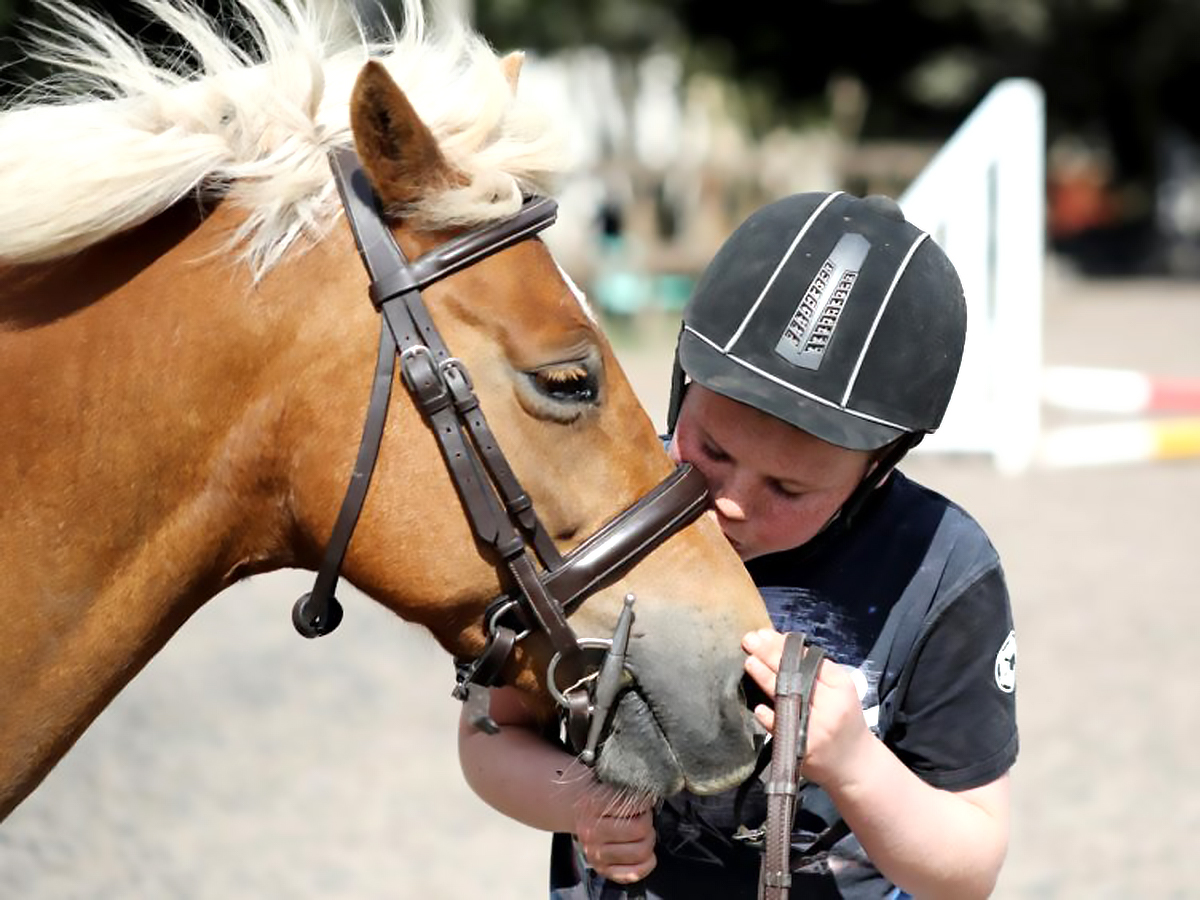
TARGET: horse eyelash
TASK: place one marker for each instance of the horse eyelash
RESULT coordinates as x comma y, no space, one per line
576,380
562,376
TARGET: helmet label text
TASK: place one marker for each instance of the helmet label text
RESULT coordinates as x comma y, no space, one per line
810,329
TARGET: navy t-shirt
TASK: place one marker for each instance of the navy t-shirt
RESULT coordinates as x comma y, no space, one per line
912,597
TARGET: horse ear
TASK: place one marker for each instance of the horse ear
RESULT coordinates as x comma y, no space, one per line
510,65
398,151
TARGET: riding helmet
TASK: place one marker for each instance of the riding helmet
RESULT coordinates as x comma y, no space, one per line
832,313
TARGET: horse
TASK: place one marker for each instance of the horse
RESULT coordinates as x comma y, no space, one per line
186,359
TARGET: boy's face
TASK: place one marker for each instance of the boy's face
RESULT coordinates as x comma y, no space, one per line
774,486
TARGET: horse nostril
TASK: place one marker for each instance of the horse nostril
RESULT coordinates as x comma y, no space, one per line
753,694
566,534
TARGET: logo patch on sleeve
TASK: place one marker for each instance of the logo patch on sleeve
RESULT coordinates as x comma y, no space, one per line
1006,664
809,331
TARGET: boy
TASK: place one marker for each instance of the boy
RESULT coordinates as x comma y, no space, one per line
822,343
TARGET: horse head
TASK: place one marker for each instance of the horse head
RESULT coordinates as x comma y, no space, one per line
582,447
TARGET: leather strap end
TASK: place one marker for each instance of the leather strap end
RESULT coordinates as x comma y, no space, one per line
478,709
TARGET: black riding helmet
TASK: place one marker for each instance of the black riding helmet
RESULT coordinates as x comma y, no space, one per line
834,314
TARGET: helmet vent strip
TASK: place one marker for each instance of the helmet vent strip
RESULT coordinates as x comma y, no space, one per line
879,315
779,268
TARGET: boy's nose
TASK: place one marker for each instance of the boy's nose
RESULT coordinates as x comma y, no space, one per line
730,509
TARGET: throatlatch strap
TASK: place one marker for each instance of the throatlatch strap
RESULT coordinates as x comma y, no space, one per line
318,612
793,694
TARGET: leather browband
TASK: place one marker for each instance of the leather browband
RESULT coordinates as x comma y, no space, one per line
378,249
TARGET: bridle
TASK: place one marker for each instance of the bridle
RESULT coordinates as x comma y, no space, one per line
583,675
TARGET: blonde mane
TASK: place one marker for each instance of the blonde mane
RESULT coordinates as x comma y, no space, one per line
119,137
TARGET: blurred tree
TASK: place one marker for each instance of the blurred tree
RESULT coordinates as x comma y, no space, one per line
17,15
8,49
622,26
1119,73
1118,66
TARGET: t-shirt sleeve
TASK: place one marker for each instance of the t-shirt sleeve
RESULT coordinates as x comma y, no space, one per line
956,726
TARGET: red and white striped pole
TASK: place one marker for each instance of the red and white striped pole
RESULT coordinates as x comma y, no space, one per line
1155,435
1118,391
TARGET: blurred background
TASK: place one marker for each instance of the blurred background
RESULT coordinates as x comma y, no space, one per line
247,763
686,114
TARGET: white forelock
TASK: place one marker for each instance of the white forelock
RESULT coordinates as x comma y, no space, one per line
119,137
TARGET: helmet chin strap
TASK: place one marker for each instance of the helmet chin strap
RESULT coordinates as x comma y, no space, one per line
896,451
844,517
678,389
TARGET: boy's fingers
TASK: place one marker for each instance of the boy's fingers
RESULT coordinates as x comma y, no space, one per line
633,853
766,645
763,675
604,804
629,829
765,716
631,874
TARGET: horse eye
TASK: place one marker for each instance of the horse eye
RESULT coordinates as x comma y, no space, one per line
571,383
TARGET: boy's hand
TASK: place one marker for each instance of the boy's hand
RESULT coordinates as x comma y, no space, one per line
616,834
837,731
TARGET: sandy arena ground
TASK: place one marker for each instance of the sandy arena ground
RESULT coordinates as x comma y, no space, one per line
248,763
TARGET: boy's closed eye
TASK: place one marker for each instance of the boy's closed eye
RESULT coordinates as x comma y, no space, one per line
786,491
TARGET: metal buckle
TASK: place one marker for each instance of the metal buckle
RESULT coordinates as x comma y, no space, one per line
423,378
751,837
458,381
493,620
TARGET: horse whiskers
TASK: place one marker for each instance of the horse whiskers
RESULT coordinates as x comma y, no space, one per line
574,773
628,801
623,802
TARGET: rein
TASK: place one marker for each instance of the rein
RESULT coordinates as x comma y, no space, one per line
799,665
794,683
583,675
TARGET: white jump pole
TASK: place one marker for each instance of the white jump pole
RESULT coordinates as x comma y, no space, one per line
982,198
